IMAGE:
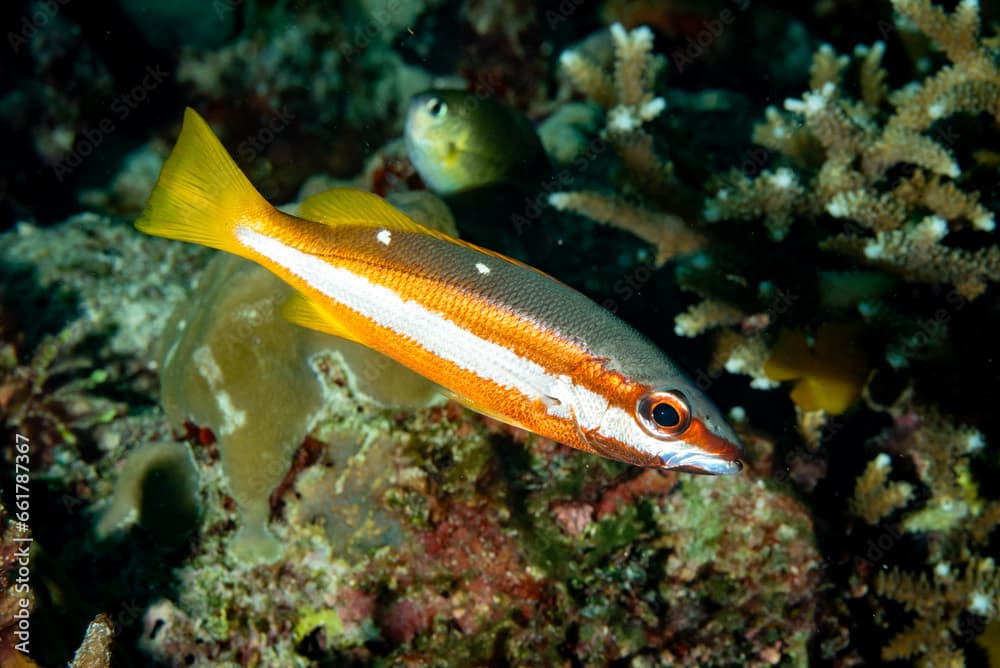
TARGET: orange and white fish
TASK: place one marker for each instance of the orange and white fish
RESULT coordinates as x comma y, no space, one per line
500,337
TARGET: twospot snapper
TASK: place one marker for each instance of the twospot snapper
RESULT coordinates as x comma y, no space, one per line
498,336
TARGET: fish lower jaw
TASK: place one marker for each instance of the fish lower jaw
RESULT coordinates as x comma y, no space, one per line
701,462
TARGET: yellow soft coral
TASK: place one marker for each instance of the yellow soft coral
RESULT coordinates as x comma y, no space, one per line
830,373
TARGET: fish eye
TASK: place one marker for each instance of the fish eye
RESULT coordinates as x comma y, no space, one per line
664,413
666,416
436,107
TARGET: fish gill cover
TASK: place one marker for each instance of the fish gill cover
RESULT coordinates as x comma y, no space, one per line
796,202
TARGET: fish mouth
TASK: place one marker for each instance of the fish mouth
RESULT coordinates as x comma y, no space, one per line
701,462
713,449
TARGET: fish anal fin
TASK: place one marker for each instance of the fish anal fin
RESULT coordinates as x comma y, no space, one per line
300,310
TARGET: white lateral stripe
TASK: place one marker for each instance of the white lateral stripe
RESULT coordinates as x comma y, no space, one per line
428,329
493,362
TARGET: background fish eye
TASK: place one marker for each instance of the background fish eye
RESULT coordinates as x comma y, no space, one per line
436,107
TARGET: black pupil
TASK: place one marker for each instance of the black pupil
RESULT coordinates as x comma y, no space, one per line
435,107
666,415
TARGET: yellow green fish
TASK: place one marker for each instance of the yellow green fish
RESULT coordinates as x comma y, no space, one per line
461,141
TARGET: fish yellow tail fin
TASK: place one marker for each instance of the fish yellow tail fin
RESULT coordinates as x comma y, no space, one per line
201,193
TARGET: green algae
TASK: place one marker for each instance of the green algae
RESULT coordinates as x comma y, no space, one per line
328,620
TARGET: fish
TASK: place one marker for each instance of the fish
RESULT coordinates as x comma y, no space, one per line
460,141
498,336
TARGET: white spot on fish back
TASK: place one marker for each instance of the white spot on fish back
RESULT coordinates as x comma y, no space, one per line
431,330
384,237
482,268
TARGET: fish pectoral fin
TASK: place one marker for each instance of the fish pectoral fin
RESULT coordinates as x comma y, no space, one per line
300,310
479,408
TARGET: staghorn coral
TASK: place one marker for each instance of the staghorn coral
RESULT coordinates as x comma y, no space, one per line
810,424
706,315
626,94
666,232
776,196
844,149
744,355
939,604
970,84
916,254
874,497
955,523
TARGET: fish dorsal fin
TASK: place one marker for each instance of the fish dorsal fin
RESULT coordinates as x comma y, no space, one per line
339,206
300,310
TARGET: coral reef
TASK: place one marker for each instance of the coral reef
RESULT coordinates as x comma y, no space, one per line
628,99
298,81
850,263
667,233
95,651
959,590
874,497
420,533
